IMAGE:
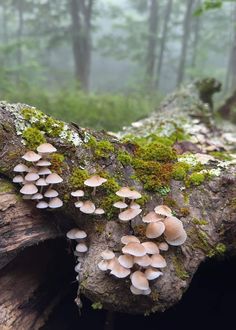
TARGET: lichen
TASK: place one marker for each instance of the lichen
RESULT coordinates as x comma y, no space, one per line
33,137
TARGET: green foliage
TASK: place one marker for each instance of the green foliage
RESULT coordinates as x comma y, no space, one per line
33,137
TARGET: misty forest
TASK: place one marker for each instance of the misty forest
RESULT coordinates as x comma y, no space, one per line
117,164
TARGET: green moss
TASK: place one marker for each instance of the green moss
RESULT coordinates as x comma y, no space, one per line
195,179
66,197
97,305
143,200
218,250
221,155
163,191
170,202
101,149
78,177
200,222
6,187
107,204
184,211
156,151
124,157
179,268
33,137
200,240
57,162
180,171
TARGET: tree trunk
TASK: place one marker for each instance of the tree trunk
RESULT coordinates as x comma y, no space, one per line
81,11
19,37
230,80
206,209
152,42
196,39
163,41
185,38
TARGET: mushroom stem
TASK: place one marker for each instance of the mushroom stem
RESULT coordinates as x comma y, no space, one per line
94,191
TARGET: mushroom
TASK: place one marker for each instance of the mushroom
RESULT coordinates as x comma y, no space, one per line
51,193
163,246
55,203
173,228
88,207
120,205
18,179
94,181
78,204
152,217
143,261
139,281
112,263
135,249
44,171
46,148
31,156
126,260
163,210
120,271
42,205
158,261
29,189
53,178
77,193
129,238
150,247
129,214
179,240
107,255
134,206
152,274
76,233
81,247
102,265
99,211
37,196
136,291
41,183
31,177
43,163
155,229
21,168
124,192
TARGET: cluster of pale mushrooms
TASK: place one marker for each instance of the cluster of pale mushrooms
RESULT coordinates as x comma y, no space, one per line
36,178
143,261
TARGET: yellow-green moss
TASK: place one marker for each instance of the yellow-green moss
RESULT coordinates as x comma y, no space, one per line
218,250
156,151
78,177
200,222
180,171
6,187
124,157
57,162
102,148
107,204
195,179
184,211
33,137
170,202
97,305
179,268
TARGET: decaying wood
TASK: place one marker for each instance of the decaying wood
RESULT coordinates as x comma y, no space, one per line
213,201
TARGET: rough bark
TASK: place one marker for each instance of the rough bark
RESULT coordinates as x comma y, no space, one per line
207,211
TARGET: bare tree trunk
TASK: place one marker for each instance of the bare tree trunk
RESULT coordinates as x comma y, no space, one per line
196,39
152,42
233,56
163,41
81,11
19,37
185,39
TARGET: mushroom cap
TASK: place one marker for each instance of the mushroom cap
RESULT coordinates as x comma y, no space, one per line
152,217
155,229
81,247
21,168
18,179
120,205
41,182
173,228
135,249
128,239
46,148
88,207
37,196
129,214
137,292
120,271
43,163
94,181
163,210
78,204
31,177
123,192
55,202
51,193
102,265
134,194
29,189
143,261
152,273
77,193
108,255
76,233
150,247
158,261
31,156
112,263
179,240
163,246
134,206
42,205
99,211
126,260
139,281
53,178
44,171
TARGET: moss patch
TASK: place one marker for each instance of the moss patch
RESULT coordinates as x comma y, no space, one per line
6,187
33,137
179,268
195,179
100,149
57,162
78,177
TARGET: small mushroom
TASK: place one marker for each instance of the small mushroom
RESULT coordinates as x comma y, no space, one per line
31,177
31,156
103,265
134,195
107,255
77,193
134,206
46,148
128,239
120,271
88,207
99,211
50,193
124,192
55,203
155,229
18,179
120,205
42,205
173,228
136,291
29,189
179,240
163,210
53,178
150,247
41,183
44,171
21,168
78,204
94,181
163,246
81,247
152,273
129,214
143,261
134,249
139,280
37,196
158,261
76,233
126,260
152,217
43,163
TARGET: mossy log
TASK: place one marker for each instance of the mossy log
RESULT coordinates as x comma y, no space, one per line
150,156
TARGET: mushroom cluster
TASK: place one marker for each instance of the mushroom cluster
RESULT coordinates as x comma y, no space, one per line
143,261
79,236
36,178
128,210
88,206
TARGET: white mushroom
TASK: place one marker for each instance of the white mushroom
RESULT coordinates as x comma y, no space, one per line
42,205
18,179
46,148
29,189
134,249
31,177
158,261
51,193
129,214
31,156
21,168
129,238
152,273
155,229
55,203
88,207
81,247
76,233
163,210
99,211
94,181
139,281
126,260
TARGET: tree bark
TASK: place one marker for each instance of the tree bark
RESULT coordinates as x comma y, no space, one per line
152,42
81,12
19,37
163,41
196,39
185,39
207,211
